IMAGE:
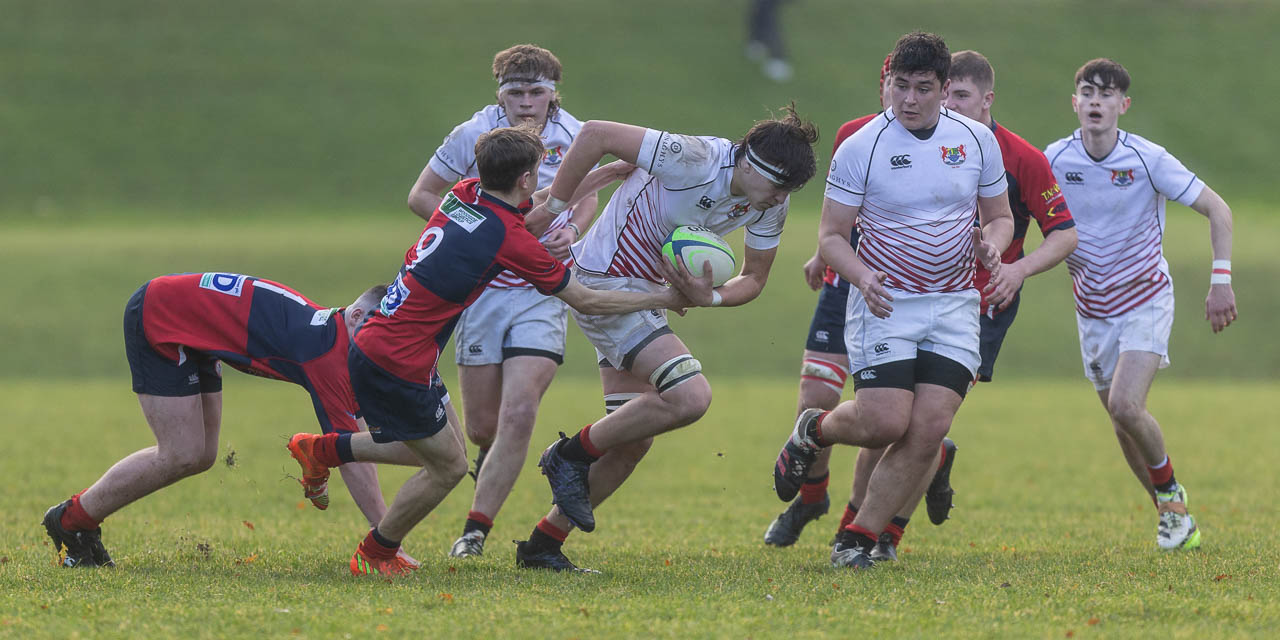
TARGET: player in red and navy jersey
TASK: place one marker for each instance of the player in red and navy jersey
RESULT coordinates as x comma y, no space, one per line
476,233
178,331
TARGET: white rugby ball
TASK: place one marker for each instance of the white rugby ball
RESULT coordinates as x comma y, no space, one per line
698,245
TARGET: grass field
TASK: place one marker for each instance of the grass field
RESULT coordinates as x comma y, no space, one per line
279,139
1051,535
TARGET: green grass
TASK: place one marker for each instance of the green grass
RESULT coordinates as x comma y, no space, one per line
1051,534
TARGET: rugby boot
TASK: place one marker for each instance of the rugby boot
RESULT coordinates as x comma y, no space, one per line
470,544
786,528
569,486
407,559
75,548
315,475
885,550
1177,529
937,500
848,554
797,455
364,565
553,559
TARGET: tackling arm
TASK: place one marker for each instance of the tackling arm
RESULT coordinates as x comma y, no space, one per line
602,303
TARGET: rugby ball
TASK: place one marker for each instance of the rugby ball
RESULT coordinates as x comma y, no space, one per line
698,245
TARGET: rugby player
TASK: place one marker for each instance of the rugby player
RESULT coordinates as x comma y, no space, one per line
510,341
178,330
1118,184
475,234
914,179
823,373
651,382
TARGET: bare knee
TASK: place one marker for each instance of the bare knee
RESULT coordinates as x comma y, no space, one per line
689,401
1125,412
448,471
181,462
881,428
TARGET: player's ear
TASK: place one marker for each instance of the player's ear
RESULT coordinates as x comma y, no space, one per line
988,99
1124,104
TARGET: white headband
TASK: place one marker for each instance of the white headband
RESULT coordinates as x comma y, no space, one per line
772,173
526,83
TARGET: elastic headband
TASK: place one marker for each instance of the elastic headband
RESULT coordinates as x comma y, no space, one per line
771,172
511,83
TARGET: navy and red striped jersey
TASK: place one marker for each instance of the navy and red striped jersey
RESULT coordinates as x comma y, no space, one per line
847,129
468,241
257,326
1033,193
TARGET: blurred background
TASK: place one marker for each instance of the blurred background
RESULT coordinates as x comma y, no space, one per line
280,139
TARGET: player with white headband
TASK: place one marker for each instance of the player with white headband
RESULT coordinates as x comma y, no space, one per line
511,341
652,384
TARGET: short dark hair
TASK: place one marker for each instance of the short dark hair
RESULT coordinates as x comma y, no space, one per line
530,63
971,65
921,51
1104,72
504,154
786,143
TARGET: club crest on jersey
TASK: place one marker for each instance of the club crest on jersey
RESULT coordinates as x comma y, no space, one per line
552,157
229,283
1122,178
739,210
953,156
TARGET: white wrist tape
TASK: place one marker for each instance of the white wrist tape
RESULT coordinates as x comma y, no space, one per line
556,205
1221,273
716,298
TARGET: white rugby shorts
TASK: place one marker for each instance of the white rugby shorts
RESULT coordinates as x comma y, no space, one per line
945,324
507,322
1143,328
617,337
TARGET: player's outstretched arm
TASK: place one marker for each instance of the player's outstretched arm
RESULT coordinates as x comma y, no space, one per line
1220,304
833,245
427,193
585,201
603,303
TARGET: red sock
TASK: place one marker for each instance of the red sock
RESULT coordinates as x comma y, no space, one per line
895,532
1162,473
943,459
546,527
480,517
850,512
813,491
75,518
371,548
817,429
325,450
584,437
853,528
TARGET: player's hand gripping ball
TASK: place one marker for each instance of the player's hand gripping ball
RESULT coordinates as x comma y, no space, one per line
697,245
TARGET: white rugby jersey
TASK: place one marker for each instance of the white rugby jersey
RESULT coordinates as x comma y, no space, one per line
456,160
1118,205
682,180
918,198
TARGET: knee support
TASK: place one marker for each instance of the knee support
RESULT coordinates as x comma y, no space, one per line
824,372
675,371
614,401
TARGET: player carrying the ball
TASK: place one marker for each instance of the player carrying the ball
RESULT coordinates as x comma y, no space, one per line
652,384
1118,184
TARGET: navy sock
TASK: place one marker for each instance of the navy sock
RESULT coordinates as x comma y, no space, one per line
383,540
540,541
343,448
573,450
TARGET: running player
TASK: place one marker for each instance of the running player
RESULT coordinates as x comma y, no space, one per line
652,384
178,331
1117,183
823,373
508,343
476,233
915,179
